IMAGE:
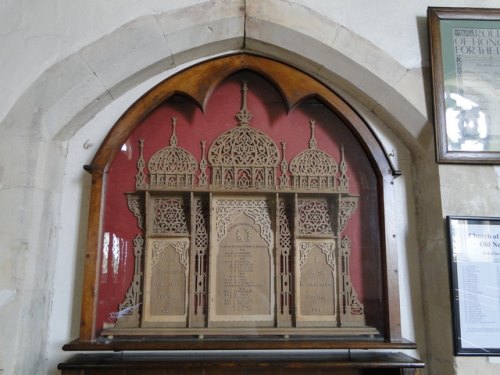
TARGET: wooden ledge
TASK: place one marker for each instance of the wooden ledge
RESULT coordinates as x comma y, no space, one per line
242,360
234,342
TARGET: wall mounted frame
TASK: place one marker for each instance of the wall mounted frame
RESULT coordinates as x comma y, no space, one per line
198,83
475,276
465,62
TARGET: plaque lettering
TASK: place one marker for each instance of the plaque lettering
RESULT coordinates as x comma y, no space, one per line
243,276
165,300
317,302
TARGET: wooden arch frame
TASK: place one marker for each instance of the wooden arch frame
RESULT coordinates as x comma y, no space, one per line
197,83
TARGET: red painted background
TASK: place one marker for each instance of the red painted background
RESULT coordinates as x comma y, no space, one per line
271,117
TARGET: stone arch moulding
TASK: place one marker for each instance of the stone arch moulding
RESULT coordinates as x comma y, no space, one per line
293,88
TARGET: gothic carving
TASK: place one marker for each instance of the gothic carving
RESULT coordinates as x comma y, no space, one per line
200,258
284,177
285,256
241,238
136,206
343,179
172,166
128,310
140,178
179,246
243,157
352,309
313,168
257,209
203,177
347,206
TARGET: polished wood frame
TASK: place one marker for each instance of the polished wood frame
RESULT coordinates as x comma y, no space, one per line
197,83
435,16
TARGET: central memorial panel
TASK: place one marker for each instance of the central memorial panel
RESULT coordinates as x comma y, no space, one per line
241,263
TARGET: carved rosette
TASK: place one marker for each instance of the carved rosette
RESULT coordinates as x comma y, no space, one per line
169,216
314,218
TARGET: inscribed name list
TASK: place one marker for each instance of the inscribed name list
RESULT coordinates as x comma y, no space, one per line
243,274
477,256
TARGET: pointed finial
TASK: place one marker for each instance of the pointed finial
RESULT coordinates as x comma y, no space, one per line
312,141
284,178
244,116
173,138
202,177
140,177
343,179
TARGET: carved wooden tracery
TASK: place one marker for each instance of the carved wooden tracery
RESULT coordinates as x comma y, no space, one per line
242,234
229,287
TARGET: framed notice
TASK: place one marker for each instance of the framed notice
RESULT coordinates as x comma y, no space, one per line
475,284
465,62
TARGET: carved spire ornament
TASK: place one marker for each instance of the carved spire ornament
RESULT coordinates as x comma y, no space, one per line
140,178
313,169
172,166
244,115
284,178
243,157
203,178
343,179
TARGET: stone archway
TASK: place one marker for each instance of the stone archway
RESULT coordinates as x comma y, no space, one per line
36,129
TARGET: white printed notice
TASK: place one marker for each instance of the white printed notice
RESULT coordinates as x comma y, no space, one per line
476,256
473,121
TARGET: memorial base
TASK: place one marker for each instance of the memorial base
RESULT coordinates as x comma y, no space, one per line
203,332
297,363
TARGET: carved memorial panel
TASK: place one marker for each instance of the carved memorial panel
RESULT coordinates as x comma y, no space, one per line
316,299
242,267
166,283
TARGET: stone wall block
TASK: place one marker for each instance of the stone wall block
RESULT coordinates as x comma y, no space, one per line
291,16
217,26
127,52
205,13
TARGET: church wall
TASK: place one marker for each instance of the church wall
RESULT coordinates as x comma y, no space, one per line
71,69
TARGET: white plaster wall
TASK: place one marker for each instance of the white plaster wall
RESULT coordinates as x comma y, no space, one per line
70,68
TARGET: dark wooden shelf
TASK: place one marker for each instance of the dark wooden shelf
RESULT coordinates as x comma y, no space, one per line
217,343
242,363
